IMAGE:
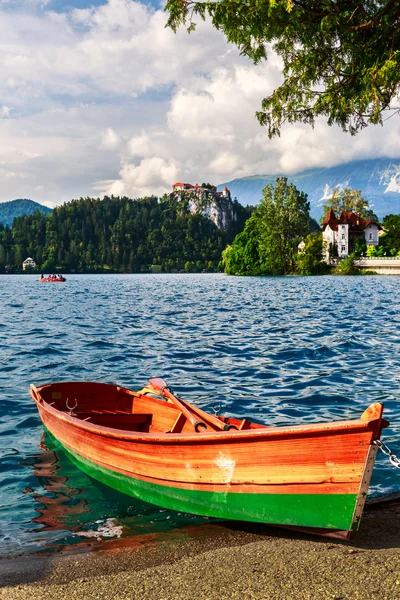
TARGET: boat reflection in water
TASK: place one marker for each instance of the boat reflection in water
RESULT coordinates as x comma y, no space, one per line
65,504
74,509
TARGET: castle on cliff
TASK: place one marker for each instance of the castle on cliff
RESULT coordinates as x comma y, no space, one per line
200,190
205,200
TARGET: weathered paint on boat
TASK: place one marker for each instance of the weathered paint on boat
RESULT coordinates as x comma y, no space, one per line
311,476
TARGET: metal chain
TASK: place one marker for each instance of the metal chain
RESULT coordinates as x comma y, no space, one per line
394,461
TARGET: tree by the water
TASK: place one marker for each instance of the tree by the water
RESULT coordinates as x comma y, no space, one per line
242,257
311,260
268,244
341,59
349,200
390,241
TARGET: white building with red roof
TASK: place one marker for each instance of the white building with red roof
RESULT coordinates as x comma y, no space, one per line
181,187
343,232
188,187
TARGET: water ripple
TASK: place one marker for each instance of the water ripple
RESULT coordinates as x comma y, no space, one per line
278,350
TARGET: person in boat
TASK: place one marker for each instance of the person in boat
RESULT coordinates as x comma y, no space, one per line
42,276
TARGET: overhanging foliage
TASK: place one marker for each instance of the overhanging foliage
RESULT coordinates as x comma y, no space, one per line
341,58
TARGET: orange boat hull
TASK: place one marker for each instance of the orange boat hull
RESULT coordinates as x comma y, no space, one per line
311,476
58,280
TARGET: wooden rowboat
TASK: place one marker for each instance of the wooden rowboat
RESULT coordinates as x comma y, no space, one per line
154,446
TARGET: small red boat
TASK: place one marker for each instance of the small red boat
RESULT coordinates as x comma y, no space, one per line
157,447
52,279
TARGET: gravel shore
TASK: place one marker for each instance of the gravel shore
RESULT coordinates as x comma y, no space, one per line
233,560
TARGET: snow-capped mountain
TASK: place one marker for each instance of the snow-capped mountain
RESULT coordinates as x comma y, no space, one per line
378,179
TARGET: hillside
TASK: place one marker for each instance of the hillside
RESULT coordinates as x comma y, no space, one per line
378,179
120,235
18,208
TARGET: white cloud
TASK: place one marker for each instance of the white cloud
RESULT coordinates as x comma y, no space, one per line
110,139
141,145
107,100
224,163
4,112
151,176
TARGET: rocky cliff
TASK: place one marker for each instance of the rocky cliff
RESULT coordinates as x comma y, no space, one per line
216,206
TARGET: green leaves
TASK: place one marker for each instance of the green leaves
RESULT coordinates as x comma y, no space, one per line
242,256
268,244
311,260
340,60
346,266
118,234
391,238
349,200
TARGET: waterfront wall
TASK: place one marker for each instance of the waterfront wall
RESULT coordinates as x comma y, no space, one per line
382,265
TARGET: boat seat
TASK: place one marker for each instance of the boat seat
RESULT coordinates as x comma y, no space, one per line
127,421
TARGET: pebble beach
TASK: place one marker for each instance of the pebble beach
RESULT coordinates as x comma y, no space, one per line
232,560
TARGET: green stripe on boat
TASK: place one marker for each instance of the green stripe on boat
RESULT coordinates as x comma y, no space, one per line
331,511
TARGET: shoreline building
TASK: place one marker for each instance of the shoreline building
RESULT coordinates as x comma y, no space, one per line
343,232
28,263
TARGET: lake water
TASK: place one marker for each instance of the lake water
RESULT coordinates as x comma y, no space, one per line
280,350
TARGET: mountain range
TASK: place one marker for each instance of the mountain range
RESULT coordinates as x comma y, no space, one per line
17,208
378,179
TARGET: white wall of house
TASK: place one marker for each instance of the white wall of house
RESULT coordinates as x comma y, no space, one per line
343,240
328,236
371,235
29,262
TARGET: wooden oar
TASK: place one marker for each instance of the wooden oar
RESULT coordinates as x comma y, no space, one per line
214,420
161,387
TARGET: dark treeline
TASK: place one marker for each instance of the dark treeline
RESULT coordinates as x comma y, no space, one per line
117,234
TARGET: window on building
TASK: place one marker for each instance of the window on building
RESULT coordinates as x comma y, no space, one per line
343,248
370,236
343,236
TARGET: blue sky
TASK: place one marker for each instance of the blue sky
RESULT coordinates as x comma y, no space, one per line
99,97
58,5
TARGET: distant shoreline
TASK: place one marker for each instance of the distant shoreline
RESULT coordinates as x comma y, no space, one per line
65,273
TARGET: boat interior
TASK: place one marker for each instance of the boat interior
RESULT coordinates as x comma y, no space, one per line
119,408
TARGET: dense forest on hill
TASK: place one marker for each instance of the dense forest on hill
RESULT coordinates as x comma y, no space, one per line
117,234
